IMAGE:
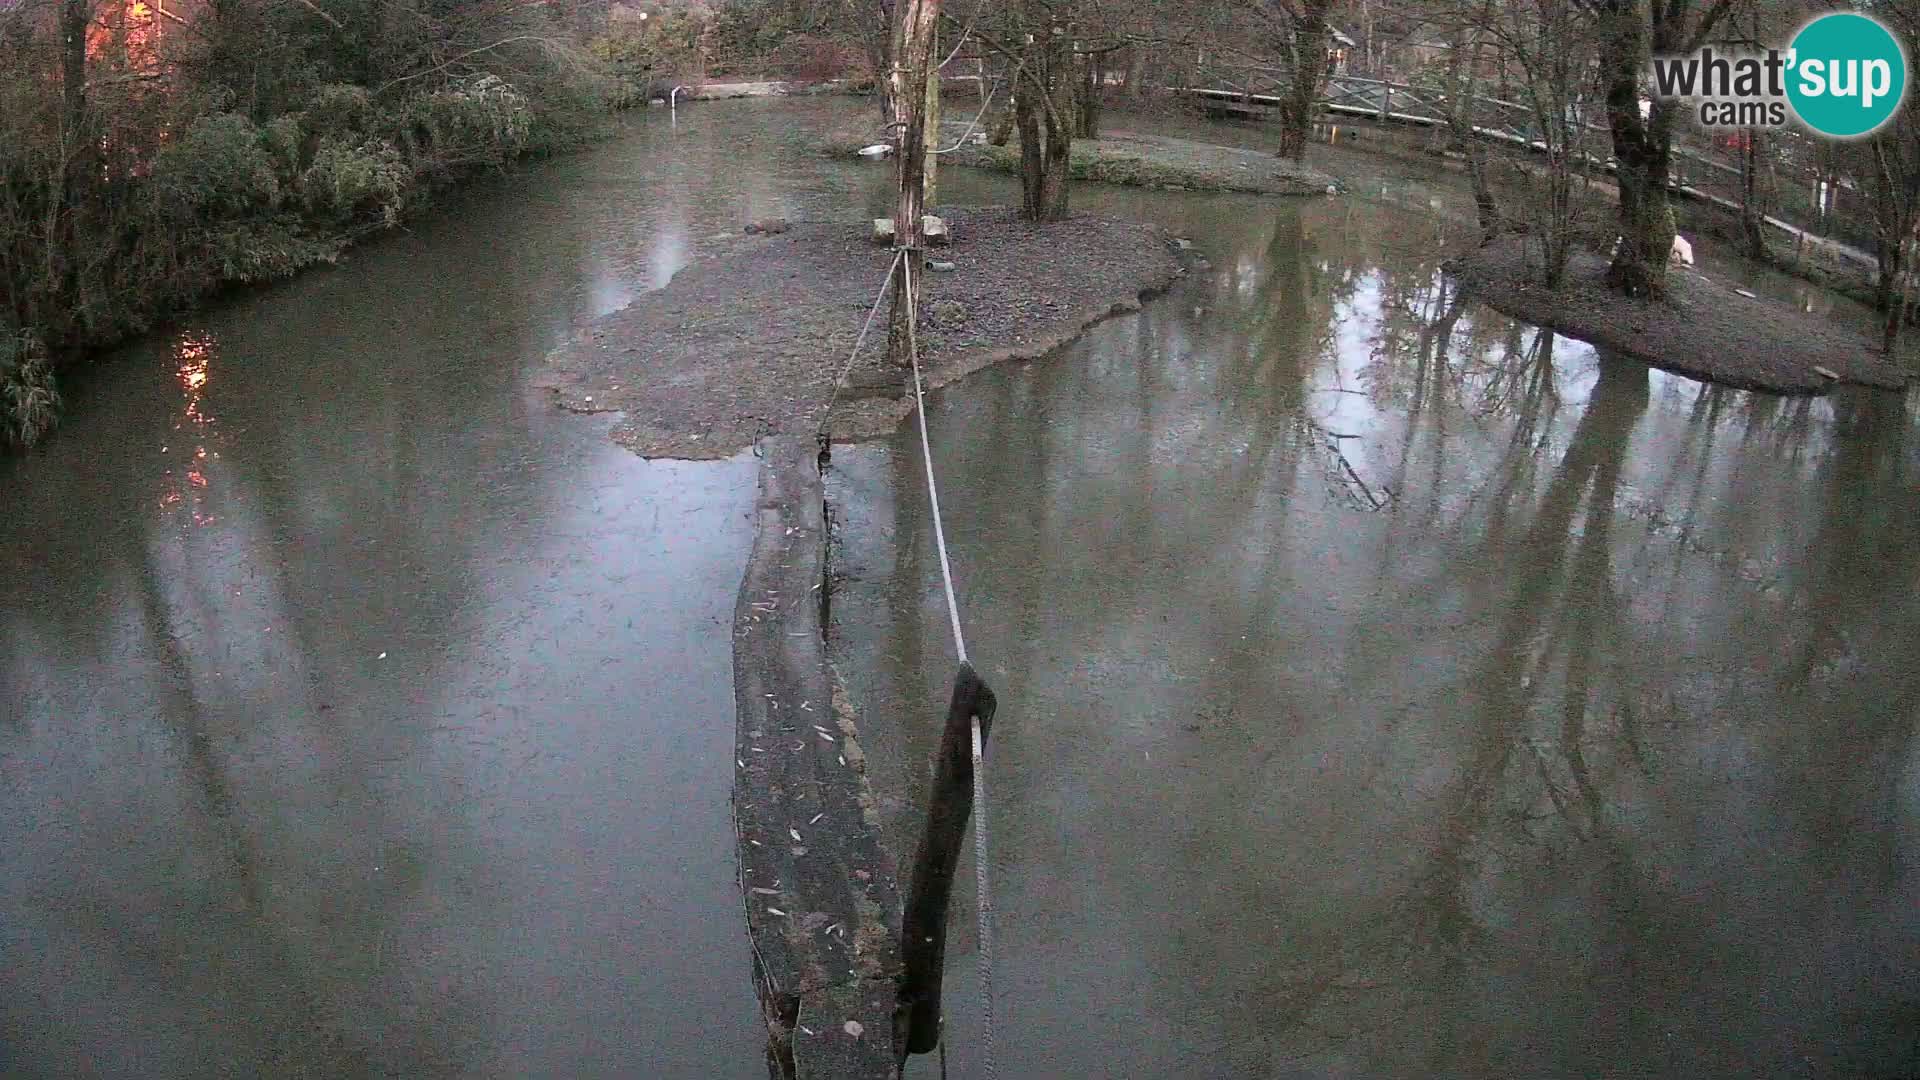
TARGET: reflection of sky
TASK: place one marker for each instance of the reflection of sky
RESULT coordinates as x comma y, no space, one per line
608,290
1346,754
1356,323
668,253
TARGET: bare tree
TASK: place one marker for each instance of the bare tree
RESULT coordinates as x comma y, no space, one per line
1036,40
1630,33
1467,39
1893,168
1549,42
1299,31
1043,113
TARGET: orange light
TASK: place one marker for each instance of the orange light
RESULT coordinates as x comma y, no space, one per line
193,355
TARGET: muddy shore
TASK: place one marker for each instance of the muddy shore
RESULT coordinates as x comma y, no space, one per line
1704,329
752,342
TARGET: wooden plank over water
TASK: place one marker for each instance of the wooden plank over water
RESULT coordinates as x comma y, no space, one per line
822,899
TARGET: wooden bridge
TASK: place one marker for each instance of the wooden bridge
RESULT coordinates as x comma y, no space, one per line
1701,170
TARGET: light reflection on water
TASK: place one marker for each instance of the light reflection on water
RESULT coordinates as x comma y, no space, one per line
184,485
362,714
1388,688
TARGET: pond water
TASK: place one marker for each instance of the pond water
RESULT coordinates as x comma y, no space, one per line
1389,689
362,714
1386,690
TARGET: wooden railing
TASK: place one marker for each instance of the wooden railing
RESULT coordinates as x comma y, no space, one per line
1810,206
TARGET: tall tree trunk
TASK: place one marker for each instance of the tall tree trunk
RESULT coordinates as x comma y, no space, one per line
1892,296
1887,266
1059,121
892,104
930,180
1026,117
1639,265
1087,117
1309,51
1045,114
1053,183
1894,200
1000,128
1136,72
77,149
1462,86
915,62
1642,151
1752,208
74,18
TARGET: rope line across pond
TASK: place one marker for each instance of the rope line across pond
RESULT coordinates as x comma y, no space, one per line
982,896
909,286
826,415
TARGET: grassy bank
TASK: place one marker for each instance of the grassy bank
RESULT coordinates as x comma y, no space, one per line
1154,161
242,148
1123,157
149,158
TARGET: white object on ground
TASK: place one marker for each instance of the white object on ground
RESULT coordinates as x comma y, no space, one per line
1681,254
932,229
877,150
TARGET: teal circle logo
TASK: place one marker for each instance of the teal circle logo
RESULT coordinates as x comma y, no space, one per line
1847,74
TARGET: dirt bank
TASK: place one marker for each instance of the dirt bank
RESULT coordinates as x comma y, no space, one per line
1704,329
750,343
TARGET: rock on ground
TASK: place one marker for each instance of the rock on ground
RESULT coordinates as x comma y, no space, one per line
1703,329
752,342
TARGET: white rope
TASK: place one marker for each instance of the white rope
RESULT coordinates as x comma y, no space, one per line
983,903
965,33
926,453
968,134
892,268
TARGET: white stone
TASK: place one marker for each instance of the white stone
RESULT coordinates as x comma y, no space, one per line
932,229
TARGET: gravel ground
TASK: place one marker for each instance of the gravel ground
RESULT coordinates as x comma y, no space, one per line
751,342
1704,329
